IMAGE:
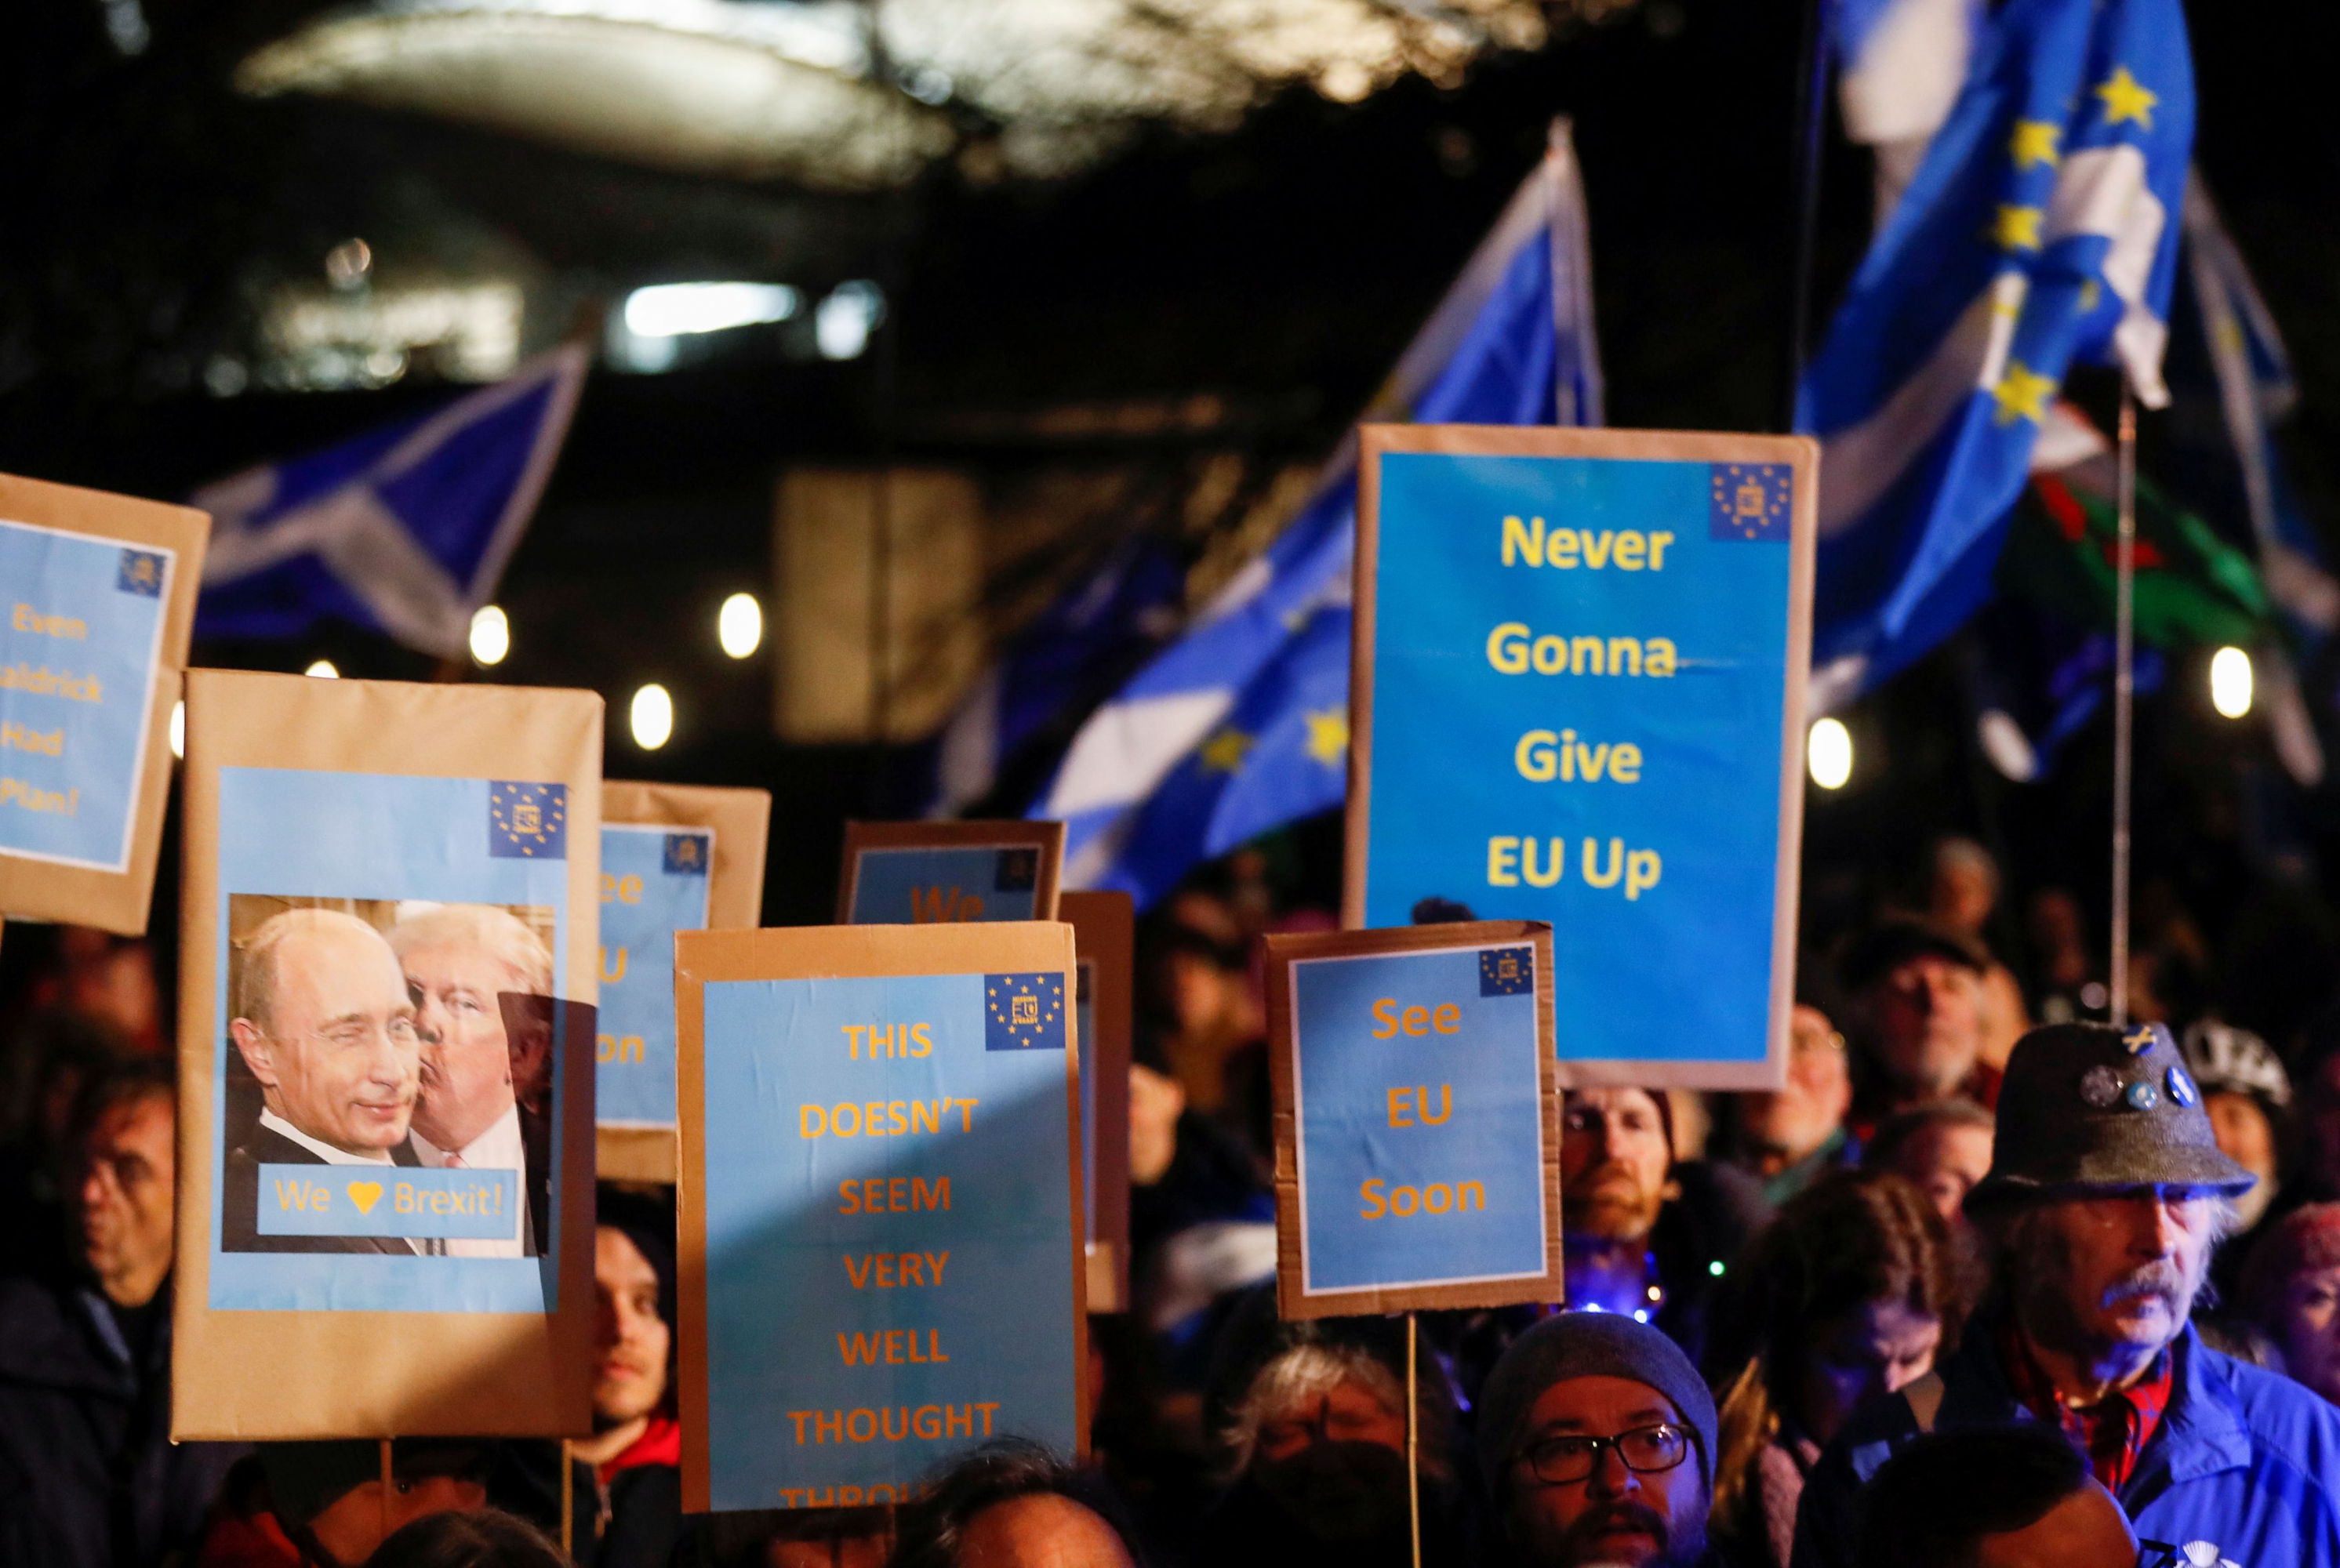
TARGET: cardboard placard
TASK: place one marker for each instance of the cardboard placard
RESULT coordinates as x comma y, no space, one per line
929,872
98,603
881,1259
674,857
1577,696
1417,1119
1104,945
387,886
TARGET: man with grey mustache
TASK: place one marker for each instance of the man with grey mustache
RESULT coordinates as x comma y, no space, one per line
2106,1196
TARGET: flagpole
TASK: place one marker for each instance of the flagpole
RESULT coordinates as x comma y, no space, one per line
1811,85
2124,698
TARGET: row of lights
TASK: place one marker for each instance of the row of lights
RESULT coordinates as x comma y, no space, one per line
1827,745
649,715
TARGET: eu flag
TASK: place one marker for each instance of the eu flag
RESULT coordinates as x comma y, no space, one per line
1024,1012
686,854
528,821
1506,971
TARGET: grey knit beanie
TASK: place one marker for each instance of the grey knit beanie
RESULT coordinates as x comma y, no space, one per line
1587,1345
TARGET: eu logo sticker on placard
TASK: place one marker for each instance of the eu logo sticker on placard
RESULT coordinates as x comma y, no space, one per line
654,882
81,626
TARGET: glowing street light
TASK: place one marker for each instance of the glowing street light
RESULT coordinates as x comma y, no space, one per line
739,626
323,670
2230,682
673,310
651,717
179,729
491,635
1828,752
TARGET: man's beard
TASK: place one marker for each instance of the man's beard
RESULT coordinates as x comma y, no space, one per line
1580,1545
1609,1203
2048,1300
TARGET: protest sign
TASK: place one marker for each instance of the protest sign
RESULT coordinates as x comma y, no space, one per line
1577,696
385,1190
1417,1119
98,604
881,1259
1104,945
674,857
930,873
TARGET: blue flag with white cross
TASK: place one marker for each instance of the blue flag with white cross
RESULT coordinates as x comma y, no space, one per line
2040,232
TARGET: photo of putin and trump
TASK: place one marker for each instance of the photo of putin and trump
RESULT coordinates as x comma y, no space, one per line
368,1033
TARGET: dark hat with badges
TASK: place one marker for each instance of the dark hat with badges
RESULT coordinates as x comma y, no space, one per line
2085,1105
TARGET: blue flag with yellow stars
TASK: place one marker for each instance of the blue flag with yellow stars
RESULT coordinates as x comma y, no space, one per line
2041,230
1024,1012
1241,725
528,821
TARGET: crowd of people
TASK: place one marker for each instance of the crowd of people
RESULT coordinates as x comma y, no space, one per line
1988,1280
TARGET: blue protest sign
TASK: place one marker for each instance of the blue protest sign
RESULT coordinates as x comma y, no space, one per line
1417,1152
1578,698
879,1192
934,873
654,882
79,634
383,904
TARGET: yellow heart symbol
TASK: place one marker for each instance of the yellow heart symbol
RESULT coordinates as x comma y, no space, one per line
366,1195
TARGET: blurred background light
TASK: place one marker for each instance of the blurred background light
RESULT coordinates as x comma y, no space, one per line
491,635
2230,682
323,670
650,717
843,322
739,626
670,310
179,728
1828,752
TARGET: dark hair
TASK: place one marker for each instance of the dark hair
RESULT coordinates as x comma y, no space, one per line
1934,1501
487,1539
1853,1237
118,1083
934,1529
1898,1132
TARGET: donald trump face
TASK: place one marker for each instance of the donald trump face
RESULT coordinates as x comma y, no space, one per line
326,1026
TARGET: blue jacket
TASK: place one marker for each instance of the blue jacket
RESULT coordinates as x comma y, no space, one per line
2243,1459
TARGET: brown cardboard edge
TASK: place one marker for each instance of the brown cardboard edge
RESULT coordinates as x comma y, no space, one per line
1105,930
626,1153
227,1381
1012,833
1283,953
831,952
1364,580
117,901
740,820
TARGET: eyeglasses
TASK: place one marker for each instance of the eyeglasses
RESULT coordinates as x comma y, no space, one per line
1645,1450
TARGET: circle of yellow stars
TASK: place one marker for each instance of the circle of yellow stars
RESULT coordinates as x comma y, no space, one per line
2021,392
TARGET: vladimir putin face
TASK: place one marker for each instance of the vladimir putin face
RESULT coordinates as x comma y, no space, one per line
335,1052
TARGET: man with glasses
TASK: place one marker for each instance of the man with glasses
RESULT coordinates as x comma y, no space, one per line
1596,1436
2106,1195
324,1023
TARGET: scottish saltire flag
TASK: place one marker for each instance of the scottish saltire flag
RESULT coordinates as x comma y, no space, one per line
2041,229
2250,371
403,530
1900,66
1125,608
1242,724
